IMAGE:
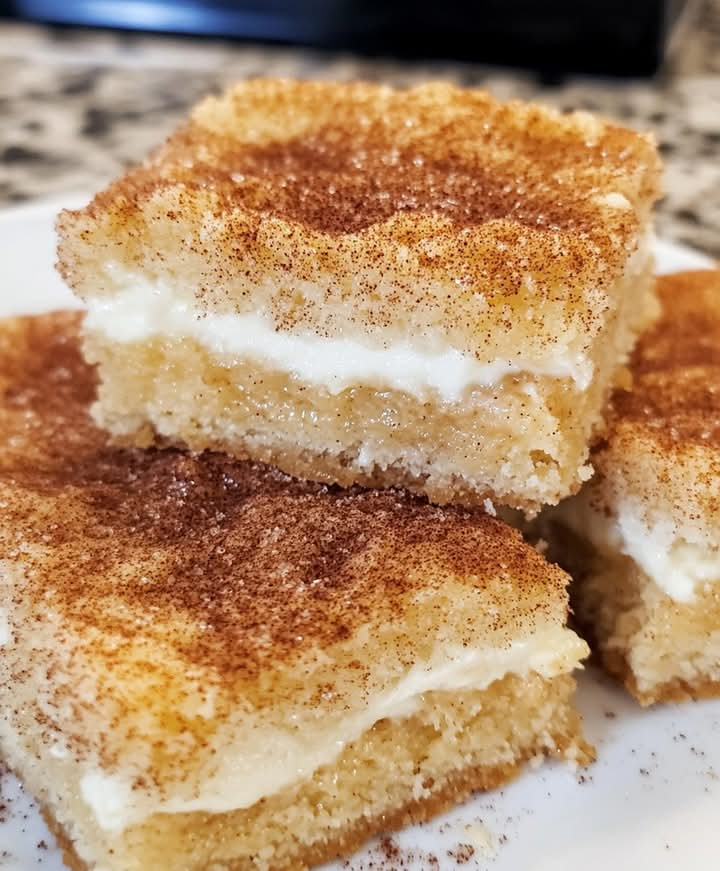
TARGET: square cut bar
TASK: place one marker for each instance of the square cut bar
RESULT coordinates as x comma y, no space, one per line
364,285
643,537
208,664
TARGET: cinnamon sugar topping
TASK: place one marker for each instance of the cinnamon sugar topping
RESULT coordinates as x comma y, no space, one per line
340,158
436,214
675,396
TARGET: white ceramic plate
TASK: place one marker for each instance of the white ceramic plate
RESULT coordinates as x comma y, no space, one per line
651,801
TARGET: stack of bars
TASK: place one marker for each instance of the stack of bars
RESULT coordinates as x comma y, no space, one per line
208,663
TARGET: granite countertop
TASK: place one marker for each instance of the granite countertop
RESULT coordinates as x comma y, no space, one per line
76,106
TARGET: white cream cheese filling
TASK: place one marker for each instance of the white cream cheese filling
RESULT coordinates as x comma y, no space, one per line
142,311
677,566
261,761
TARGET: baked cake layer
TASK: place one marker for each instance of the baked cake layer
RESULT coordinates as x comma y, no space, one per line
401,771
641,537
662,649
201,645
426,260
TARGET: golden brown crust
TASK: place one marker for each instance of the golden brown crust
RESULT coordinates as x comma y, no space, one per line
460,741
456,790
70,857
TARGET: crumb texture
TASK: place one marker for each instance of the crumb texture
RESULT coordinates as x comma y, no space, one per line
660,649
653,610
522,441
399,773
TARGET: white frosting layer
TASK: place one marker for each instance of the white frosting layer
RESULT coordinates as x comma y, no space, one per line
679,567
140,310
143,311
260,762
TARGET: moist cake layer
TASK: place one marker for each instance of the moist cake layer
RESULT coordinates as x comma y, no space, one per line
192,637
662,649
145,312
271,761
377,437
401,772
424,366
421,244
642,534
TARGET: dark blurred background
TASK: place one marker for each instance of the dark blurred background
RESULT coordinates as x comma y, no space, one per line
610,37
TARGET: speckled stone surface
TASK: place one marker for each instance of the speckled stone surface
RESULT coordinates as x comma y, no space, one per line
76,106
